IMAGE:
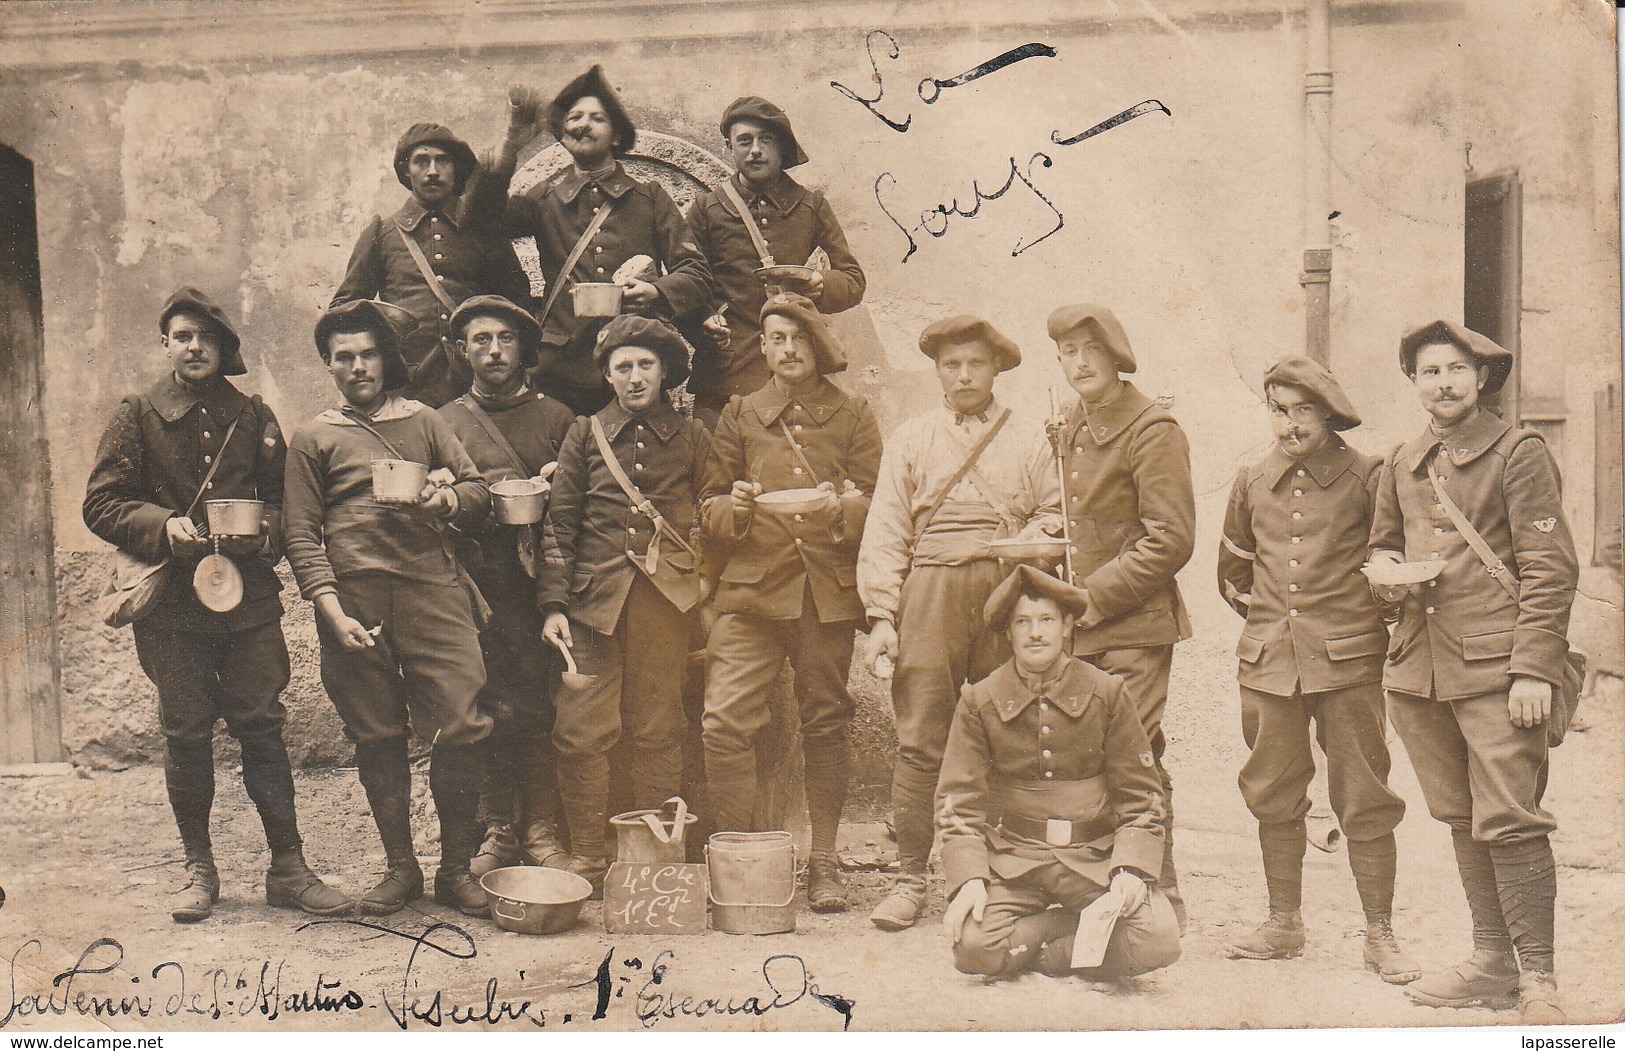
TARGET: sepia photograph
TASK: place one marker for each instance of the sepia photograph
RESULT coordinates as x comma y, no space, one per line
600,516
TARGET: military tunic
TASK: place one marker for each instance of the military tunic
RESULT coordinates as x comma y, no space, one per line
795,222
151,462
1295,536
644,221
788,588
1461,638
627,633
469,256
1021,754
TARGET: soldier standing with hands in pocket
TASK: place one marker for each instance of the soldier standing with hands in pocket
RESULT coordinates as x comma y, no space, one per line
1479,655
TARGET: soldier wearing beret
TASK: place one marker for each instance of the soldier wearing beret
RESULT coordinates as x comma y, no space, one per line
442,229
511,432
787,589
951,481
396,615
190,438
625,510
589,119
792,222
1131,513
1479,654
1295,535
1049,799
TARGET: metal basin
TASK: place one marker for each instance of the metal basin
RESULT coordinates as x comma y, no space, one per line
535,900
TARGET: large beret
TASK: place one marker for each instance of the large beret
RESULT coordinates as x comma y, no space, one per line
1482,348
188,300
827,352
1099,322
1317,381
386,321
462,154
593,83
964,328
634,330
530,333
758,109
1027,580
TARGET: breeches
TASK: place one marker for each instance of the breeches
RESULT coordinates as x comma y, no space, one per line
1280,764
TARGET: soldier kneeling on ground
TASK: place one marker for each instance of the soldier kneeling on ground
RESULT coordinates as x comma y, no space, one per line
1049,796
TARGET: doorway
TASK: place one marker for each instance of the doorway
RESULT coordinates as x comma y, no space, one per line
30,676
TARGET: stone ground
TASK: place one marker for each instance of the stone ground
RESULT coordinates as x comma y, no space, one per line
91,856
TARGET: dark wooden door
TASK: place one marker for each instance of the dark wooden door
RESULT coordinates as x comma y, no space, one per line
30,680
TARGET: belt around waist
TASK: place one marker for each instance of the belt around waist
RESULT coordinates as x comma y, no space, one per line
1055,832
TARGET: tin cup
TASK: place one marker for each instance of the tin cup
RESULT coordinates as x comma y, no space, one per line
596,299
398,481
234,517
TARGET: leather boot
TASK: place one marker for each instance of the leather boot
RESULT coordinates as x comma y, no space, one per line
592,868
1537,1000
499,849
456,773
731,780
1282,936
386,775
1485,979
290,884
1383,954
1526,883
826,892
899,910
1374,863
195,899
540,845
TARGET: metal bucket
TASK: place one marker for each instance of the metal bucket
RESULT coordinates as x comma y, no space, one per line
398,481
518,501
649,837
234,517
535,900
753,882
596,299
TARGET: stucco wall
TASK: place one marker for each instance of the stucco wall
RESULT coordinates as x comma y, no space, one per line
250,177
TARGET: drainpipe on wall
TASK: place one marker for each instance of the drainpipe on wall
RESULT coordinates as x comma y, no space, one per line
1316,278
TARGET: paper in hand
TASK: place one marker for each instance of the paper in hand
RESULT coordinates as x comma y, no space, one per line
1095,926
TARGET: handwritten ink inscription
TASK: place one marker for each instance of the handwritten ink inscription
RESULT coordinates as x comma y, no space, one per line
935,221
655,898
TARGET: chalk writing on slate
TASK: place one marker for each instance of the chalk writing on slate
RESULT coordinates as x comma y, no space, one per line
662,898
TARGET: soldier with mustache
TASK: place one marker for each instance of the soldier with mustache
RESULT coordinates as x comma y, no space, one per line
441,227
1294,537
568,211
1478,656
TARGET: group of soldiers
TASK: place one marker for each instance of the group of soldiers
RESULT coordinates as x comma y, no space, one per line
1014,574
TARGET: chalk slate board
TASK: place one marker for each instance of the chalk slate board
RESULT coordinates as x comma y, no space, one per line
655,898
